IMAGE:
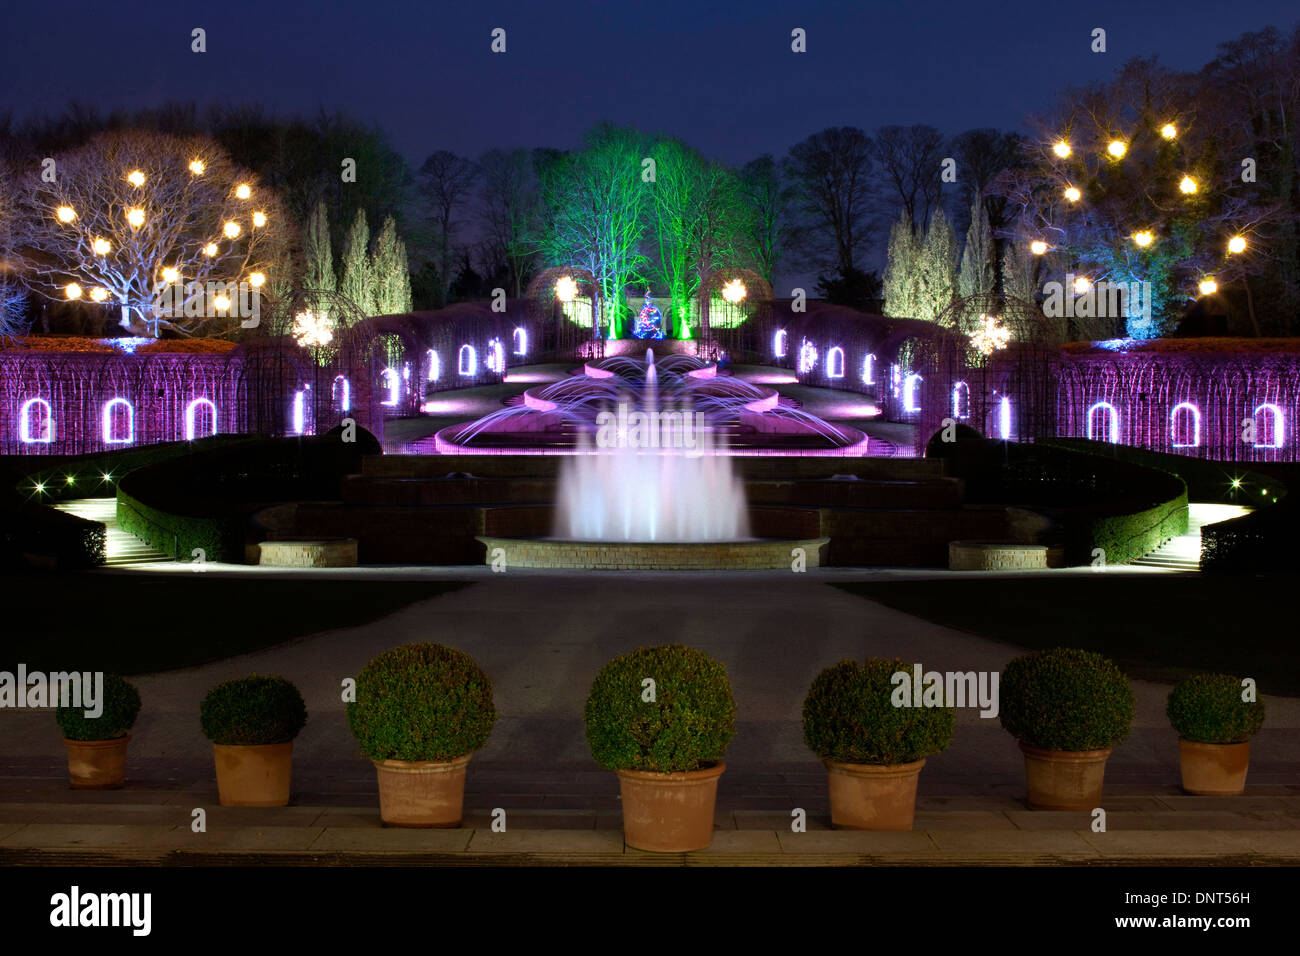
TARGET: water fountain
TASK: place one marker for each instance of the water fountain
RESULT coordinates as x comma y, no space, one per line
652,475
647,486
744,419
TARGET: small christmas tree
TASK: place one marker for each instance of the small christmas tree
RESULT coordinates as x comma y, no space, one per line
650,321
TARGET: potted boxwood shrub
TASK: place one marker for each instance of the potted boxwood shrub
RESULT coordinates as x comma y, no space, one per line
421,712
97,745
873,750
665,740
1068,708
1214,728
252,723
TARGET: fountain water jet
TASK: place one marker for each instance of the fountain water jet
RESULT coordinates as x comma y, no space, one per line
676,490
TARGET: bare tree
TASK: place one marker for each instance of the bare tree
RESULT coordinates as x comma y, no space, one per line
445,181
1131,201
14,322
830,182
594,203
508,206
909,157
151,223
761,189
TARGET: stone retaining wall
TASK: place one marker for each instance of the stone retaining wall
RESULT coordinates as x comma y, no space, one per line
335,553
995,556
650,556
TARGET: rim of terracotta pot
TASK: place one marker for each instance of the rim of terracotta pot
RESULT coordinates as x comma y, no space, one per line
423,766
703,775
111,742
1080,756
874,769
287,743
1202,743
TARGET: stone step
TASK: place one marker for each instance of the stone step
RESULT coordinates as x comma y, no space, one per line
121,548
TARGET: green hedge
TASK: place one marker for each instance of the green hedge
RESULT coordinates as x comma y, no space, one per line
68,542
1257,543
686,726
1208,709
1066,699
253,711
24,473
1124,508
121,706
1214,481
204,500
221,537
1124,538
850,716
421,702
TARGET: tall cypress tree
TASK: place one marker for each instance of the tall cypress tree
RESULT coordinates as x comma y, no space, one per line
384,270
936,273
900,270
357,283
1017,273
318,256
977,275
401,301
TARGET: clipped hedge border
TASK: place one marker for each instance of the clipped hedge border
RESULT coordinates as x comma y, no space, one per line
1206,480
204,500
1123,508
69,542
1260,542
88,471
1127,537
1254,543
221,537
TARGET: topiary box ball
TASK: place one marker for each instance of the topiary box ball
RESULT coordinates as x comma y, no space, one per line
1215,709
253,711
664,709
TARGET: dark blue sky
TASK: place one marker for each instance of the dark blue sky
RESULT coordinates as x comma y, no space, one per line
720,75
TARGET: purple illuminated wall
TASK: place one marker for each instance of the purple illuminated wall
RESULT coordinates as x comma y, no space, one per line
1236,400
1237,405
77,402
67,397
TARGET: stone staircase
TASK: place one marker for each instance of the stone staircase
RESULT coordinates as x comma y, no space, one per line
121,547
1183,553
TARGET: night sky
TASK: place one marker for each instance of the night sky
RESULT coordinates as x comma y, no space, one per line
721,76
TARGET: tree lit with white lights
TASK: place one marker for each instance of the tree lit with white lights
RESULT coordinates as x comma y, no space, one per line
166,228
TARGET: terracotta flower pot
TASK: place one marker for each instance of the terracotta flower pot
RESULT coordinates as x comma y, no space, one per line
669,812
871,796
96,764
253,775
1064,779
1214,769
422,793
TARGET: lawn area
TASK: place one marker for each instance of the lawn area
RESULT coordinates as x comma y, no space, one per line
1156,627
135,624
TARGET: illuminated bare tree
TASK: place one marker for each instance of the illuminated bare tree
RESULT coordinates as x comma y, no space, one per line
167,228
1136,181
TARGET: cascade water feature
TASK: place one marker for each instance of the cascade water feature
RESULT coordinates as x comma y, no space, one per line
658,480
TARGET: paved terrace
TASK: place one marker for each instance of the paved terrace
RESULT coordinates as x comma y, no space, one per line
542,637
